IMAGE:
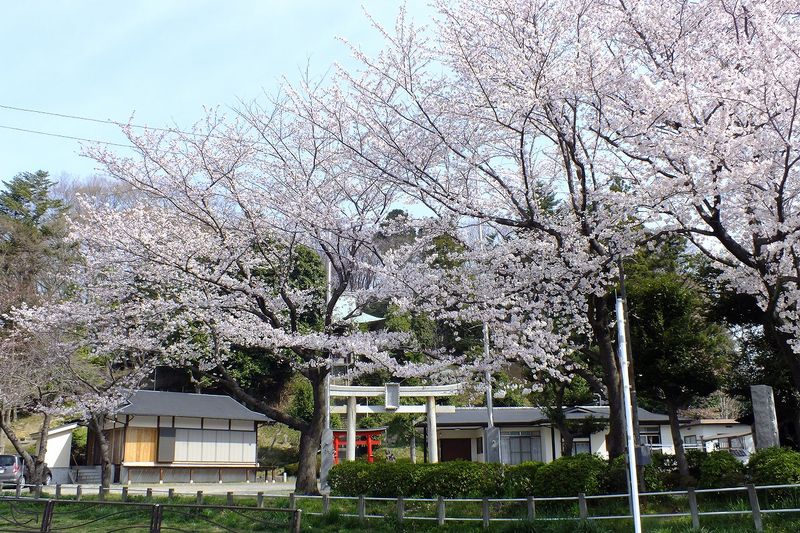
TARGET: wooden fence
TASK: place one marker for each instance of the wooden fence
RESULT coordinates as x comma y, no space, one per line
747,498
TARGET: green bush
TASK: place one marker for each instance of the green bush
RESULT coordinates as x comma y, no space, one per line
456,479
615,479
519,479
450,479
774,466
720,469
569,476
695,458
351,478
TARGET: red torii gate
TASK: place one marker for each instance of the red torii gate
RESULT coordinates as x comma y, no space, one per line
364,437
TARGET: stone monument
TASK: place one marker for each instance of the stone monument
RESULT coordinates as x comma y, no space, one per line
765,423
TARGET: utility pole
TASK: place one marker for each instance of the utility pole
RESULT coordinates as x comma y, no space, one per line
626,391
491,440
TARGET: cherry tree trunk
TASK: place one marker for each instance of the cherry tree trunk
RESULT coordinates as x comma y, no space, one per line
310,438
781,343
97,423
600,321
34,467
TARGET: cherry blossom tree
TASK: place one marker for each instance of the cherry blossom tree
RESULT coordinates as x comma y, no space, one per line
33,380
485,117
708,101
204,258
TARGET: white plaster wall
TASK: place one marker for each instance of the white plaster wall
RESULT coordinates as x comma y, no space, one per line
58,450
242,425
187,422
597,442
140,421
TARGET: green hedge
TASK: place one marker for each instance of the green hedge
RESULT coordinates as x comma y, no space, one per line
451,479
569,476
615,480
519,479
566,476
774,466
720,469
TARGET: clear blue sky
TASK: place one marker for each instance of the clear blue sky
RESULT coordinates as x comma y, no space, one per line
160,59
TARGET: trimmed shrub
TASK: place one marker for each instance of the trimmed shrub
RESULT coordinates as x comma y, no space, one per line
351,478
774,466
615,479
456,479
450,479
519,479
720,469
569,476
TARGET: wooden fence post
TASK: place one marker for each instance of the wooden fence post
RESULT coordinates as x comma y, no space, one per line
171,494
401,509
78,492
19,490
47,515
230,499
440,511
291,500
531,509
693,508
199,497
124,496
101,493
156,516
754,505
326,504
362,508
582,509
149,493
260,499
485,508
58,491
37,491
296,520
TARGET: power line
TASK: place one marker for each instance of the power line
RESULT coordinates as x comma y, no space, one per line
61,136
112,122
91,119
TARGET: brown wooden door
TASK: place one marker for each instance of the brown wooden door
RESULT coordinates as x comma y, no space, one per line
454,449
140,445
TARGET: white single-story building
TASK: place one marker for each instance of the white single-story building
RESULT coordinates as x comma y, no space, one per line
526,434
161,436
57,456
710,434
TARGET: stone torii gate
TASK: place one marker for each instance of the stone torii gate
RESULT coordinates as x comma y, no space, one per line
392,392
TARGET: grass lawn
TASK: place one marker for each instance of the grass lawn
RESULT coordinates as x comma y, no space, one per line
93,516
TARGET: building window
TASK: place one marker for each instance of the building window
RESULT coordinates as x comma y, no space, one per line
650,436
479,445
690,441
520,446
581,445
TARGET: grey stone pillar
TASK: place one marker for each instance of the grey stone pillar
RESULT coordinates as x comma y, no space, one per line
326,459
765,424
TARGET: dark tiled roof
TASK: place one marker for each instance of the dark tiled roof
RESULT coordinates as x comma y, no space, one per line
160,403
477,416
601,411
